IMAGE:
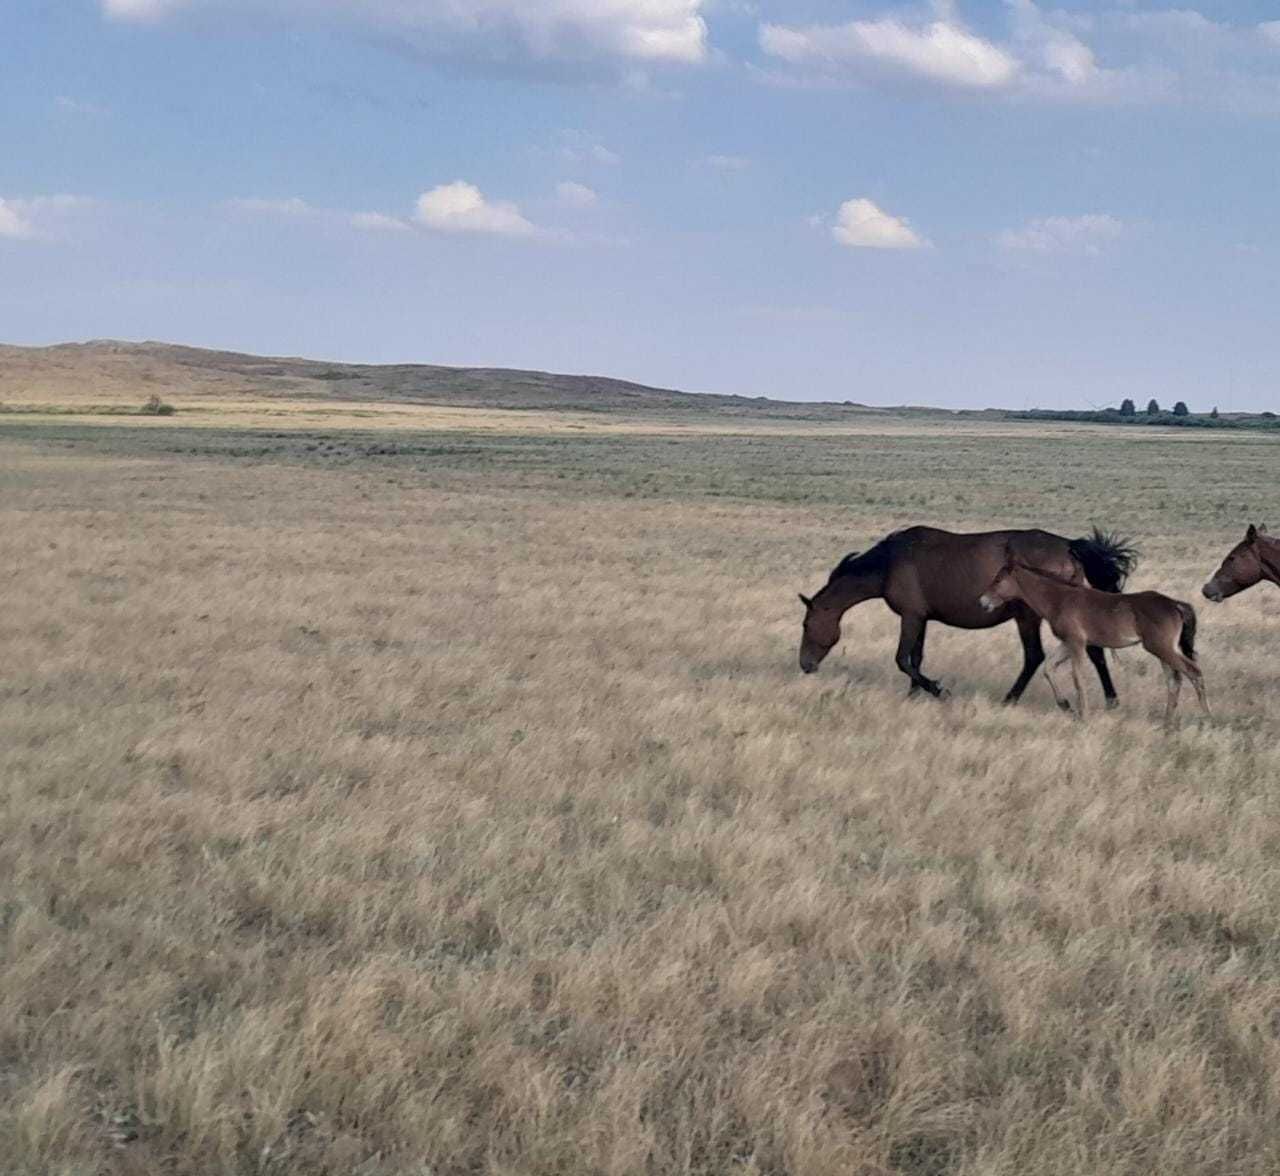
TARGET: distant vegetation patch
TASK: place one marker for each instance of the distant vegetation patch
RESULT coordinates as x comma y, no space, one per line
154,406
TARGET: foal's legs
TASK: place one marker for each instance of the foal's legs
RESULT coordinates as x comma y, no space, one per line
1175,665
1060,657
1173,681
1032,654
911,653
1098,656
1197,680
1077,665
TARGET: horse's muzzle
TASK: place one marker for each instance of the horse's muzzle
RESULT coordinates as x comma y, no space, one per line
808,663
1213,592
989,602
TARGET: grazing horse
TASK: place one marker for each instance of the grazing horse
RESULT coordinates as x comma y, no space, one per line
925,574
1256,558
1079,617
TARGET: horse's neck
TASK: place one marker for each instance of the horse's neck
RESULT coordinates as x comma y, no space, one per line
1040,592
846,591
1269,558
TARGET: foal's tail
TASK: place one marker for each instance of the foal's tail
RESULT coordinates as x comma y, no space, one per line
1106,558
1187,639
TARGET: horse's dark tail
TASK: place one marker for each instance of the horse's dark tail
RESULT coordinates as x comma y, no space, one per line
1187,639
1107,559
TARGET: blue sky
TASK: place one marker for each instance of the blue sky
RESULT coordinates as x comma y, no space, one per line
959,204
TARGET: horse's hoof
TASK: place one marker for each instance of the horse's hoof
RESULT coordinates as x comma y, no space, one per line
1112,703
1064,706
943,694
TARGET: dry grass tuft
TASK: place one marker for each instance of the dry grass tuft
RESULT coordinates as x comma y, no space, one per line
458,809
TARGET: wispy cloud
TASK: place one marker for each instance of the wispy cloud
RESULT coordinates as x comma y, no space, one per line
38,218
578,147
727,163
75,106
378,222
490,34
574,195
1064,234
289,206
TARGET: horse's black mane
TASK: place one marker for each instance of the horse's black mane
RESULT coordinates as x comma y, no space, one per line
861,563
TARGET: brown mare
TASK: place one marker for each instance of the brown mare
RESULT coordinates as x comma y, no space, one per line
1256,558
1079,617
925,574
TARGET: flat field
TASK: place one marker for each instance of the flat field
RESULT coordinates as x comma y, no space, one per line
434,793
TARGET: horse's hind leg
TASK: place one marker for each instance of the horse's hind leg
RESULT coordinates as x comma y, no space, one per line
1098,656
1032,655
911,653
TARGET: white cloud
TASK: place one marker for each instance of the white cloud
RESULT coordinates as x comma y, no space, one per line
862,224
378,222
37,218
1064,234
728,163
450,208
574,195
462,208
495,31
941,51
1169,56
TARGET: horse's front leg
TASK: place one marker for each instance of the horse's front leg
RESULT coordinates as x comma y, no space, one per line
1098,656
1032,654
911,654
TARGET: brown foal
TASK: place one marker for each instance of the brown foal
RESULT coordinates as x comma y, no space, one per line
1079,617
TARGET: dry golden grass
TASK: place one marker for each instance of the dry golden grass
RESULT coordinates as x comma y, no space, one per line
459,809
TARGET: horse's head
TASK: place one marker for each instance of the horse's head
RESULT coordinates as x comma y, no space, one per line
1002,590
820,634
1240,570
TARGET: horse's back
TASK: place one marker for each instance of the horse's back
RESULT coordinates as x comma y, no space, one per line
941,574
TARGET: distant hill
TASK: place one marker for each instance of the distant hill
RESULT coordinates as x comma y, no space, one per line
106,372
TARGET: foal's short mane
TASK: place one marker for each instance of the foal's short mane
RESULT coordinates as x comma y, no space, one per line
862,563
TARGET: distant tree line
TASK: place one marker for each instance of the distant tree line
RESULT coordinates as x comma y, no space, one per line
1180,414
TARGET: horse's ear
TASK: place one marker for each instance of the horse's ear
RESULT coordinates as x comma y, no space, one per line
1262,528
805,600
1251,534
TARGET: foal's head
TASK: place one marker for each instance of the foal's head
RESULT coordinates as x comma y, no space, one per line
1240,570
1002,590
820,634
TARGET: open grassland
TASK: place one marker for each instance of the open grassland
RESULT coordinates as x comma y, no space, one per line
447,801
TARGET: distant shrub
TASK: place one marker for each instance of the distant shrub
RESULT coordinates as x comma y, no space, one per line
1181,409
157,407
1127,407
1214,413
1153,407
